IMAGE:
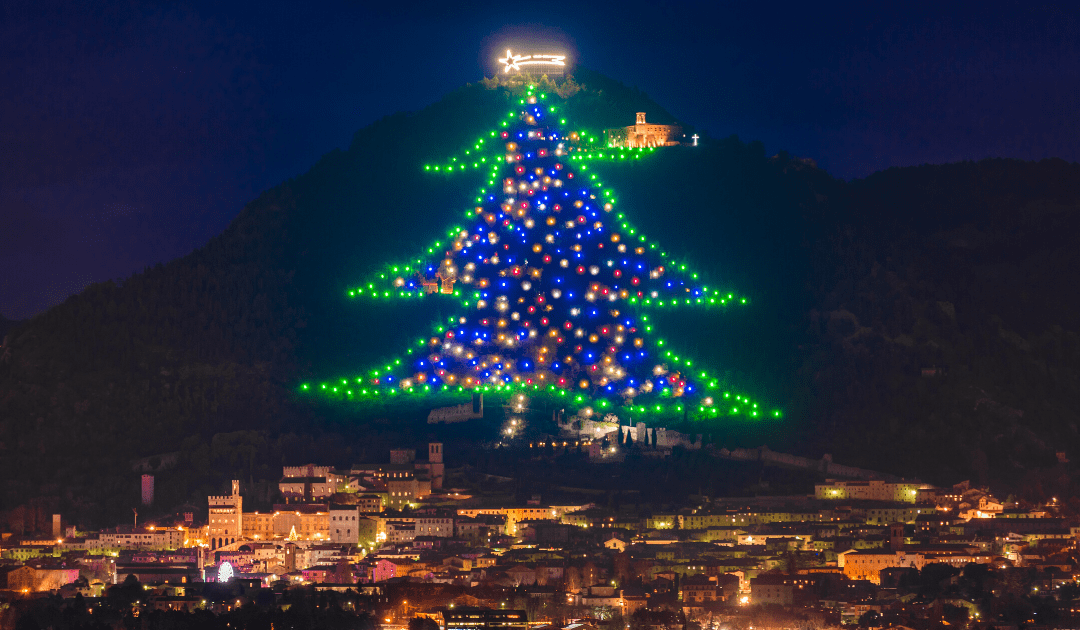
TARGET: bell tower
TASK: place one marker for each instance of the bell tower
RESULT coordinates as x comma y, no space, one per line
435,464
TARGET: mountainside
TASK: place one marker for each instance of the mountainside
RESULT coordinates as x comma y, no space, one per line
6,325
950,327
919,321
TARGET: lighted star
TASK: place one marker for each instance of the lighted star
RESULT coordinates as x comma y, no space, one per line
514,62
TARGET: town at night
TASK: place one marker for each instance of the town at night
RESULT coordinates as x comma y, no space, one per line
471,318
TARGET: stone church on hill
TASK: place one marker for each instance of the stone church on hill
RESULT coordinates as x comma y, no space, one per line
642,135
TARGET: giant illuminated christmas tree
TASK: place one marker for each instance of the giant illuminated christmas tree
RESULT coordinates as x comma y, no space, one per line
553,285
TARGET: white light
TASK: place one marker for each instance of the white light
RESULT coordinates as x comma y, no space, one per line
514,62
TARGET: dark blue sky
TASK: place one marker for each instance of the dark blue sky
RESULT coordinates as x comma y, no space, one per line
132,131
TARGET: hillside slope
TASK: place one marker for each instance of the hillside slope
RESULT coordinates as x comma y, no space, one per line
949,328
216,341
963,269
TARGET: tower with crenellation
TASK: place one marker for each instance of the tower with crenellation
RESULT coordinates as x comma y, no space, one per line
225,521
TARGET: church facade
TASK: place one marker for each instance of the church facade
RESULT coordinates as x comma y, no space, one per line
642,135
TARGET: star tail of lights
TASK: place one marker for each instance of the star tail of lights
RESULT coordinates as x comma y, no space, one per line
552,286
515,62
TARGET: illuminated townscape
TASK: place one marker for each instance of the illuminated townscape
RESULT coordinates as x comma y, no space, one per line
446,376
406,538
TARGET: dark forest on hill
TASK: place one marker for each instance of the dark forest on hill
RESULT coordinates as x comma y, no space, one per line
921,321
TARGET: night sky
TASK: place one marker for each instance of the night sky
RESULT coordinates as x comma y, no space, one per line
132,132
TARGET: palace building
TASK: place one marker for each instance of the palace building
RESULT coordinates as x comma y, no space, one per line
226,518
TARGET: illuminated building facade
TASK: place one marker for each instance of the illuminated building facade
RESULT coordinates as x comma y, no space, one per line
873,490
305,522
643,135
225,523
142,538
485,618
310,483
258,526
406,479
438,526
371,503
867,564
403,488
344,525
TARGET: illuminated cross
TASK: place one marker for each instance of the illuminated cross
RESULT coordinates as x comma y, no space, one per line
695,138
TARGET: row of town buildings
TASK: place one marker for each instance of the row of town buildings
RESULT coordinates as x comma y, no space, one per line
835,550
